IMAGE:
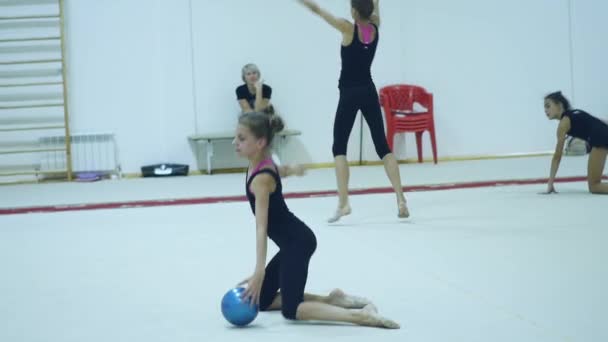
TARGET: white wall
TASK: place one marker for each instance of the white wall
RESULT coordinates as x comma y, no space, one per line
130,73
590,53
488,64
298,56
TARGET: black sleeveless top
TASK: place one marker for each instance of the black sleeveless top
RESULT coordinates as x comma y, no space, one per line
281,221
357,60
587,127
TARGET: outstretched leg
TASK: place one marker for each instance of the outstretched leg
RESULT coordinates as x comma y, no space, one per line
368,316
336,297
343,125
337,307
391,167
372,113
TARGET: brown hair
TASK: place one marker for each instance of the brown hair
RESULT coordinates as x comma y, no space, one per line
365,8
262,125
558,97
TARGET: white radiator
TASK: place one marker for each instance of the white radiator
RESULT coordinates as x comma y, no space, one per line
91,152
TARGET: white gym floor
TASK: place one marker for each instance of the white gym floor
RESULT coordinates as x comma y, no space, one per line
496,263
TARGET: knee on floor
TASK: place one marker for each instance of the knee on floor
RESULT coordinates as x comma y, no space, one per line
289,313
592,185
597,187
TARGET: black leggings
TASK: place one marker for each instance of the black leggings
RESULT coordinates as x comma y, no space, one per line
288,271
353,99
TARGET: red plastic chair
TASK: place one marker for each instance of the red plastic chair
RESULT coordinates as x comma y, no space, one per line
398,104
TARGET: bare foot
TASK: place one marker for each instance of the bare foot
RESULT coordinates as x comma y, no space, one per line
337,297
403,210
371,318
342,211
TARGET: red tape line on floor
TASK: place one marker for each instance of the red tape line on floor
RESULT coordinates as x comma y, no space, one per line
304,194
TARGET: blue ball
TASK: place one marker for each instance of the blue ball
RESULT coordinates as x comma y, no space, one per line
236,310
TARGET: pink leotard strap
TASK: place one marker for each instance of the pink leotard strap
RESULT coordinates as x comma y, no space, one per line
262,164
366,32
